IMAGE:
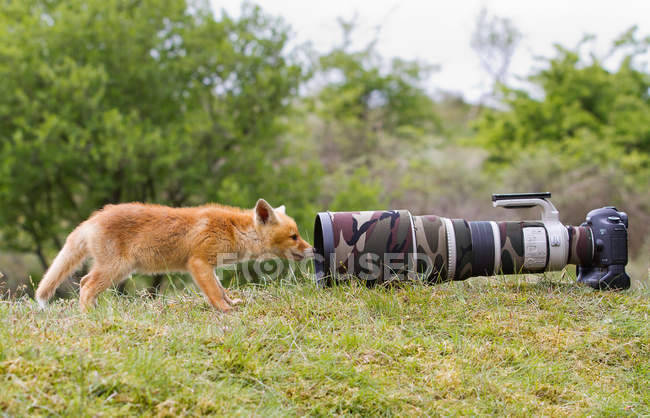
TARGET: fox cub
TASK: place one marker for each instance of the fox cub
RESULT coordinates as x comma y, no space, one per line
136,237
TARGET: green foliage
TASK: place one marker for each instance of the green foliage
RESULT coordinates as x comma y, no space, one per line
370,113
588,115
365,97
360,88
110,101
358,192
161,101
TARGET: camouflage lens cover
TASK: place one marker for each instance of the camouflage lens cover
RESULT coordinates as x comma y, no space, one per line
464,254
375,245
379,246
581,246
512,247
432,251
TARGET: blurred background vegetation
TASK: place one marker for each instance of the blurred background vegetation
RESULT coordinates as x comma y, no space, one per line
168,101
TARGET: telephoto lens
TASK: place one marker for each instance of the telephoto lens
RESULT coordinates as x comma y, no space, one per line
386,245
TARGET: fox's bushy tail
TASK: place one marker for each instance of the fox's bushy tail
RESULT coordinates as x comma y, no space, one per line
73,253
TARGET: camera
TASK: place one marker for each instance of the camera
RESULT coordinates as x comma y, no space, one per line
386,245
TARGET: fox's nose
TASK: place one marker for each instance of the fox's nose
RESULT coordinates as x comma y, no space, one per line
309,252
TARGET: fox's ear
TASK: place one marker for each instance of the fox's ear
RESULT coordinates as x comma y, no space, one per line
282,209
264,213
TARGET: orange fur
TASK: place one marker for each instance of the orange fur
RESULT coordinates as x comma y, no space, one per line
136,237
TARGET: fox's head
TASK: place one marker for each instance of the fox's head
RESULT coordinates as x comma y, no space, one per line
279,232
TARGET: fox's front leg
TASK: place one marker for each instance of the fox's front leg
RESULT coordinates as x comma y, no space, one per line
233,302
203,274
226,296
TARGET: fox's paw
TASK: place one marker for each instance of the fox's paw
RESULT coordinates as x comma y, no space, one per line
42,303
235,302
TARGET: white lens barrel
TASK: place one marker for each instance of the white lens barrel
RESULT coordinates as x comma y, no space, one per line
558,245
535,248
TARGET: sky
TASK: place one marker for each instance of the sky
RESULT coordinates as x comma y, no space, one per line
439,32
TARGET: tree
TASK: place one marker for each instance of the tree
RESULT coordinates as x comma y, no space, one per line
495,40
588,115
107,101
366,97
368,112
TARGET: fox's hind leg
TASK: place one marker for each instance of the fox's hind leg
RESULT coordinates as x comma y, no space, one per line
95,282
203,274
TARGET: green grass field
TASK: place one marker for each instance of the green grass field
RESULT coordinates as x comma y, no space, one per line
519,346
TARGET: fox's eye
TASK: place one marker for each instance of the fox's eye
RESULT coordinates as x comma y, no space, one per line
294,237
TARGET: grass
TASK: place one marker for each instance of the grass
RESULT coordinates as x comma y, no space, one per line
518,346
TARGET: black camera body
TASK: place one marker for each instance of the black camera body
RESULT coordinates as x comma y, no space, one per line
609,229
